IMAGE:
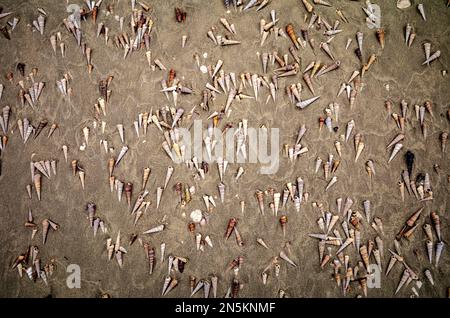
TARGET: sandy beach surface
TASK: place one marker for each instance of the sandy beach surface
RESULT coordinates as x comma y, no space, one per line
136,89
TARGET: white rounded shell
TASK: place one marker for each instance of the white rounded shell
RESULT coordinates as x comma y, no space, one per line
196,216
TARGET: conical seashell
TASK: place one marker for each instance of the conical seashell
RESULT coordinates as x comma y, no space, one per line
265,59
260,198
169,173
397,139
411,39
427,48
395,151
128,192
145,177
45,228
331,183
307,102
217,67
159,192
37,185
380,36
155,229
287,259
307,79
122,153
421,9
41,23
437,224
428,231
432,57
262,243
40,127
292,35
443,137
221,187
403,280
82,174
350,126
429,276
308,6
366,204
407,32
86,135
429,245
121,132
359,39
359,150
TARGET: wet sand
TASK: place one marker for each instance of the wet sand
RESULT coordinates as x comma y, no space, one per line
135,89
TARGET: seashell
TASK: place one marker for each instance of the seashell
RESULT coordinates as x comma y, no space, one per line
350,126
346,243
305,103
283,221
308,6
437,224
359,39
380,36
331,183
443,137
427,48
412,220
411,39
173,283
260,198
348,204
429,276
230,227
408,30
262,243
196,216
155,229
121,132
81,175
37,185
287,259
397,139
292,35
395,151
324,46
429,245
421,9
359,150
433,57
128,192
403,4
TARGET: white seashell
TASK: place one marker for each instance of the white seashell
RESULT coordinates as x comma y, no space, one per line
196,216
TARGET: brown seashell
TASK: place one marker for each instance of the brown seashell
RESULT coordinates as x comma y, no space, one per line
128,192
283,221
191,227
231,224
171,77
292,35
235,287
412,220
94,14
74,165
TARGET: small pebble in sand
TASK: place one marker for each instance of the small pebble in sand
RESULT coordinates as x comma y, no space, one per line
203,69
